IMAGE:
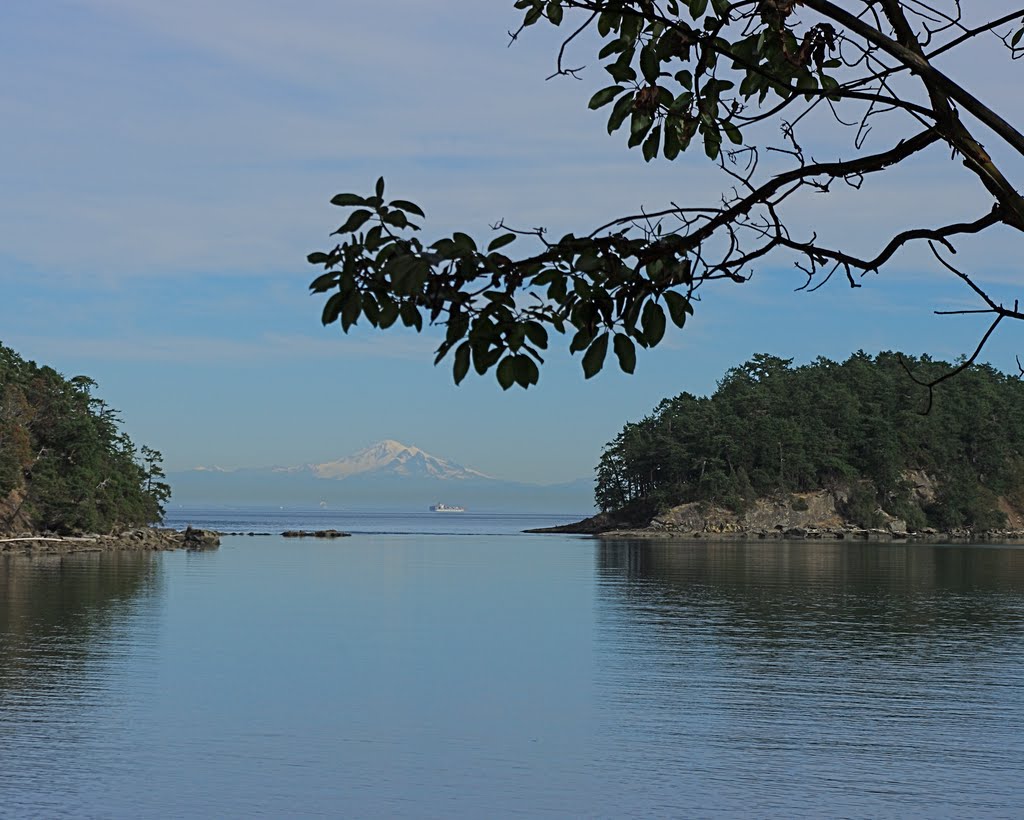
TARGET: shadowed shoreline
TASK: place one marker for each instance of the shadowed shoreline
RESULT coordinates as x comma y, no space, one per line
140,538
606,526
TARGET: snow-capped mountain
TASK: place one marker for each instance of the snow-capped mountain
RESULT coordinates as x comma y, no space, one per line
386,474
396,459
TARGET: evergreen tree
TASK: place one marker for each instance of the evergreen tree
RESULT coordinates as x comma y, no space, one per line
64,463
856,427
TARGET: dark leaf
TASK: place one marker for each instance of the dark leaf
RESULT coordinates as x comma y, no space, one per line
461,365
619,112
507,372
345,200
324,282
653,321
375,238
605,96
649,64
484,355
580,341
626,352
397,219
593,359
526,372
350,311
622,72
370,310
638,128
332,308
613,47
411,315
355,221
650,147
672,143
536,333
501,242
388,313
410,207
733,133
678,307
712,143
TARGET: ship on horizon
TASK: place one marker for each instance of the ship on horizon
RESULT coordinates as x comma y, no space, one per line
446,508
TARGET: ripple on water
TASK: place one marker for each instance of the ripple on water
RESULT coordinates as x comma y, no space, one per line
411,675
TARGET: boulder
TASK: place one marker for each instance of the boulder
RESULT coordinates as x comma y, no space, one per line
197,539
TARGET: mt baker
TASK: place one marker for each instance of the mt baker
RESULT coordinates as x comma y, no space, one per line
386,475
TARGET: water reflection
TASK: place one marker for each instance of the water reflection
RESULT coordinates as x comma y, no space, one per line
781,589
514,676
57,612
816,676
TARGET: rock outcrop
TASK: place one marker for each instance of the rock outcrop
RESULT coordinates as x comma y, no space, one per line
803,510
141,538
815,515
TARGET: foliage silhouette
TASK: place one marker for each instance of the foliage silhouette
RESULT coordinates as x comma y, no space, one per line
765,88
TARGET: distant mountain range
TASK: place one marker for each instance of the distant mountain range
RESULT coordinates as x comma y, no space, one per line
388,474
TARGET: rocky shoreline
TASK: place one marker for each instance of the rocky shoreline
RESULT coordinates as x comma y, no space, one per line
141,538
792,534
805,516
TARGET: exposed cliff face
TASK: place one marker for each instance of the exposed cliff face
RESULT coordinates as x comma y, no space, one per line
822,510
923,487
797,515
1014,515
804,510
13,516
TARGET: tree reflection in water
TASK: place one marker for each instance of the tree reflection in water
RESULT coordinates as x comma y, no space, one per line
779,590
809,676
58,611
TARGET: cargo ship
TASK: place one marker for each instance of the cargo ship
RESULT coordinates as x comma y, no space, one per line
446,508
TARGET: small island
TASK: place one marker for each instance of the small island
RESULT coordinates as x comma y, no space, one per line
857,449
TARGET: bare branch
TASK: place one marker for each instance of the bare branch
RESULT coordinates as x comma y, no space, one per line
919,65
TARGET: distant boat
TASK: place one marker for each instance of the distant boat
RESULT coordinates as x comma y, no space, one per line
446,508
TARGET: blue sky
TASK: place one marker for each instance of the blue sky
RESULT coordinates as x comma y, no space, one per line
167,167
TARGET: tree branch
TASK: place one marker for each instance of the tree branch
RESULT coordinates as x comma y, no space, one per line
920,65
859,166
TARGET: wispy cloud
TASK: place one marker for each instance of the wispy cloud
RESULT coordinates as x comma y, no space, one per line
269,348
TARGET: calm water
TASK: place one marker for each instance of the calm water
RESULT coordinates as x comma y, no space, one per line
434,672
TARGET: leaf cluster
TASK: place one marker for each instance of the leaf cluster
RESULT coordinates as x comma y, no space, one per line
497,312
739,79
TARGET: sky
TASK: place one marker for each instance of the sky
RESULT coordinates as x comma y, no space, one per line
167,167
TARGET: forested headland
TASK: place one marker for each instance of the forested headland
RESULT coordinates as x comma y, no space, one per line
65,464
864,430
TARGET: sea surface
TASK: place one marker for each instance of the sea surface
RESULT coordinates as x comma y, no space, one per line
440,665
